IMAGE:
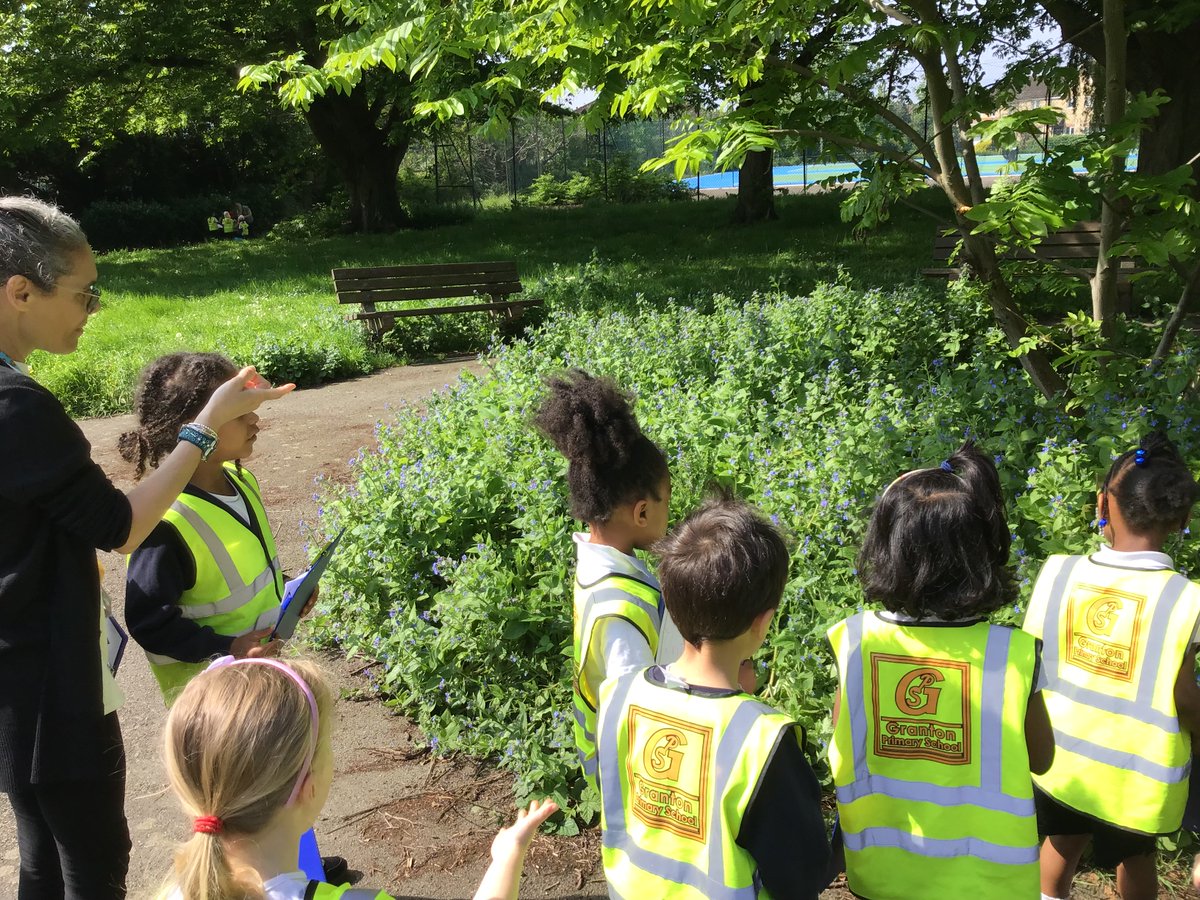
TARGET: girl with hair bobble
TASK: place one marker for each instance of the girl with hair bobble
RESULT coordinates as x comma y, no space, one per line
1121,628
938,718
621,487
248,753
207,581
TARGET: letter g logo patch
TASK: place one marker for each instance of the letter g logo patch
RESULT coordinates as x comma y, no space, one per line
916,694
662,755
1102,615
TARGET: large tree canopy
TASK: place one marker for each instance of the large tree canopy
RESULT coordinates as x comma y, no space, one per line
827,72
86,73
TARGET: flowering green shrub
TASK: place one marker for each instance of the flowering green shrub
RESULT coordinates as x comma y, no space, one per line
455,576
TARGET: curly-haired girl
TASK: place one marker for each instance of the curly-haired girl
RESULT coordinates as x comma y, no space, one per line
207,581
621,487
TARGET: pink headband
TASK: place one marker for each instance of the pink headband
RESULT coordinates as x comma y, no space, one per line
287,670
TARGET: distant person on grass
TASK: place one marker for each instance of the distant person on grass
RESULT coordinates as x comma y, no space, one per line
705,791
1121,628
939,717
214,228
249,755
228,225
62,760
621,487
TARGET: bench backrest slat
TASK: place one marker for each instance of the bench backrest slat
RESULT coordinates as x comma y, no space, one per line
1080,241
426,293
398,282
475,268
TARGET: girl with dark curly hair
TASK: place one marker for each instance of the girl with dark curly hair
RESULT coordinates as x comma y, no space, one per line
621,487
207,581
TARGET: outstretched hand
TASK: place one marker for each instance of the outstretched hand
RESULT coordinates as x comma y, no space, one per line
503,878
244,392
514,840
747,677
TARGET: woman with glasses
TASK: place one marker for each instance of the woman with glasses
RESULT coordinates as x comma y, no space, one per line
62,763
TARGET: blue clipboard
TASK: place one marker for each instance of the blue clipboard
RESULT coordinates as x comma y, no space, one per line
299,590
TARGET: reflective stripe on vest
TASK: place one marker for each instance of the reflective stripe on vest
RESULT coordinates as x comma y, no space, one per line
1121,756
939,848
230,598
267,618
591,604
982,820
320,891
747,738
240,592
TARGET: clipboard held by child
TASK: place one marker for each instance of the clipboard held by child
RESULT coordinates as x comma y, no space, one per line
300,590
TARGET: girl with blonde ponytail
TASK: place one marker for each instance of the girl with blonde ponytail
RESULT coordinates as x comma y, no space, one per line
248,753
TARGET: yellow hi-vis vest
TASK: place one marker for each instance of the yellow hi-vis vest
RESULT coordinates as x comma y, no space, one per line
213,225
1114,641
929,759
227,224
626,598
677,773
239,583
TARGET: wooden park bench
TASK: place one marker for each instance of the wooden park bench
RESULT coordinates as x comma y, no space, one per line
497,281
1078,246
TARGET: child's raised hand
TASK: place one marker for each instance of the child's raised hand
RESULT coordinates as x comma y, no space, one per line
239,395
514,840
503,877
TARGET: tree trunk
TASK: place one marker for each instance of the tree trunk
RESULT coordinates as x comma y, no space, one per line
756,188
1104,281
366,156
1191,282
1172,138
1154,59
980,249
981,253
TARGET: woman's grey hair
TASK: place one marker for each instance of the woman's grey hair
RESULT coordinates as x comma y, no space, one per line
37,240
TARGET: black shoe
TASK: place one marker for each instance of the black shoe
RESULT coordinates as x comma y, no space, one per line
335,868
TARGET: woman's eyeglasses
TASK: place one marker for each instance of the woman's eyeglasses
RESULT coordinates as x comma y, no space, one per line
92,293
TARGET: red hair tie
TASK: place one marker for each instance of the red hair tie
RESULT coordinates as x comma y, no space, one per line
208,825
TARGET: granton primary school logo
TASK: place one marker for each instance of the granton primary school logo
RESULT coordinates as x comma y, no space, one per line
1103,626
922,708
667,767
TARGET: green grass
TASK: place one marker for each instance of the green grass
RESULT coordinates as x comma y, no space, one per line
271,302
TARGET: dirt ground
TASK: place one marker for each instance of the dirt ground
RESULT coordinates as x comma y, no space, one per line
407,822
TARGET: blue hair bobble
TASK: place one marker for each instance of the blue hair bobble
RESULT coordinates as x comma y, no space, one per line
1139,457
946,467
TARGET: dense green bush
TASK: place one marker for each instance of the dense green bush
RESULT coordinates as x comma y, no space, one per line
455,576
625,184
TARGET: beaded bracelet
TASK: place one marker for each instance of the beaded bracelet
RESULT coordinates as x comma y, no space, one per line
201,436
